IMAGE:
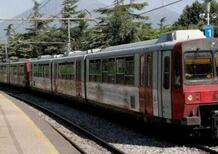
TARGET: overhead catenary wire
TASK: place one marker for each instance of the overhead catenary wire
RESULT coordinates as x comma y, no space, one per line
45,19
154,9
43,4
161,7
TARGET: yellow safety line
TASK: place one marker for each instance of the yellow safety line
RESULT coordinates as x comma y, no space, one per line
50,147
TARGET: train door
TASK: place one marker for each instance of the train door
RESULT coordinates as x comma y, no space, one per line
165,84
146,81
54,76
78,78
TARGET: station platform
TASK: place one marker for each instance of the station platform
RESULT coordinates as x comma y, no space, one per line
20,135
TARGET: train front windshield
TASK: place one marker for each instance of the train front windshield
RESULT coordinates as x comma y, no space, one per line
199,65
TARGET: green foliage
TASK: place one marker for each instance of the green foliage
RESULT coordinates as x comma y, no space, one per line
36,14
116,25
69,10
190,18
119,24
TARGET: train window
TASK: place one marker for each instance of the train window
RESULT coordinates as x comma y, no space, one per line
120,70
46,70
120,65
66,71
35,70
40,70
21,70
129,71
198,66
108,70
13,69
1,69
177,62
95,70
166,72
125,70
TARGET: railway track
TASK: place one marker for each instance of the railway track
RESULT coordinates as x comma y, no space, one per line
72,125
206,149
111,148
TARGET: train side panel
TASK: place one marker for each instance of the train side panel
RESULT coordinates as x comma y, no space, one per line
119,96
4,71
114,81
41,76
67,77
17,74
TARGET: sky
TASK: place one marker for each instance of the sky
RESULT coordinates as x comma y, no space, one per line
11,8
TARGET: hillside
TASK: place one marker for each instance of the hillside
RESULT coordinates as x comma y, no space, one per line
53,7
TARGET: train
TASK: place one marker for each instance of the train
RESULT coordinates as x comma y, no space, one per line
172,79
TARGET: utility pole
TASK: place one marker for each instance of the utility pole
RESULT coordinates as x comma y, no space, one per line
208,5
6,50
52,19
69,37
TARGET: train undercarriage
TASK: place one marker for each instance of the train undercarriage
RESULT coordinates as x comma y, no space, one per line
209,119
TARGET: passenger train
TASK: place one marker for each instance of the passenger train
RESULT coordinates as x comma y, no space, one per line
173,79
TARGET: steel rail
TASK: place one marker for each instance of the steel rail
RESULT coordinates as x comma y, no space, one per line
85,132
71,142
206,149
48,19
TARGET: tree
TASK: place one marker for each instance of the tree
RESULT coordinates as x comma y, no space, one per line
162,21
69,10
37,24
10,31
34,32
10,34
190,18
78,28
119,24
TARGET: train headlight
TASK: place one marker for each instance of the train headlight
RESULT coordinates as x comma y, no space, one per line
193,98
190,97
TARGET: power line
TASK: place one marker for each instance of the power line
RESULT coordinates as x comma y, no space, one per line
160,7
40,7
46,19
42,42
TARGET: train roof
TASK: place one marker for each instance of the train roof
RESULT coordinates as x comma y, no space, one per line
132,50
166,42
71,55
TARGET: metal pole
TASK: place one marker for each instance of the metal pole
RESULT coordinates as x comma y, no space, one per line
208,4
69,37
6,50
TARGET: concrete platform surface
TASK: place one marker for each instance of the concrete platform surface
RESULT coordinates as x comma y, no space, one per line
18,133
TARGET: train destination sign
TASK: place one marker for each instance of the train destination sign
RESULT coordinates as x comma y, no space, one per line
209,31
